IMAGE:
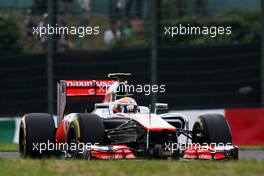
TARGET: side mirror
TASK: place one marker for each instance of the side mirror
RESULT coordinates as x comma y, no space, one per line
143,109
101,106
161,108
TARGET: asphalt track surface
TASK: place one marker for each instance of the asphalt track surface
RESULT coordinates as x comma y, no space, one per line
244,154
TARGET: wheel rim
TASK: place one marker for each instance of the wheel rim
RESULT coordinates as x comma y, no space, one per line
198,133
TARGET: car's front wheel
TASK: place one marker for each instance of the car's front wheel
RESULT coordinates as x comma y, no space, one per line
211,129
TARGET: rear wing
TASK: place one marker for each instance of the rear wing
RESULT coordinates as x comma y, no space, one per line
89,89
79,88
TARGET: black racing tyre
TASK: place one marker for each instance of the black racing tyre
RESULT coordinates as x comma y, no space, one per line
91,130
36,129
211,128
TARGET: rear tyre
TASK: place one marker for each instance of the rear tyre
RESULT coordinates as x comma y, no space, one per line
87,129
36,129
211,128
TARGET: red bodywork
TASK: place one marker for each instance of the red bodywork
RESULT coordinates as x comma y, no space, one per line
112,152
61,133
87,87
210,152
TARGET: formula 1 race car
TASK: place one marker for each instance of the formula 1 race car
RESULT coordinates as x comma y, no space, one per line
120,129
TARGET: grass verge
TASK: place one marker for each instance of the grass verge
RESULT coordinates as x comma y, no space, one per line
50,167
255,147
8,147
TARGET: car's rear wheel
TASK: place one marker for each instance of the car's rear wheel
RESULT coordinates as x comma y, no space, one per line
36,132
211,129
85,131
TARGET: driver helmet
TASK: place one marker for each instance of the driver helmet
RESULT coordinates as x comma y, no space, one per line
125,105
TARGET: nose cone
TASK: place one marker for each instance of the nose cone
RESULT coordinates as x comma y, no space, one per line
152,122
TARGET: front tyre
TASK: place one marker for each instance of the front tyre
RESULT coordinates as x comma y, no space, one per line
211,128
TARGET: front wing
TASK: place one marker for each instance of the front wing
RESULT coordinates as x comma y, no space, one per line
192,153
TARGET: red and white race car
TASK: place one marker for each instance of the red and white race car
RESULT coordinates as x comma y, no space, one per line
118,128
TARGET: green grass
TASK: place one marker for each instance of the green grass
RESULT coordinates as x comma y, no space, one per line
255,147
119,168
8,147
52,167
